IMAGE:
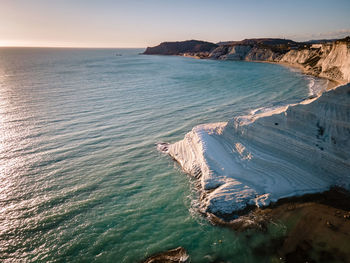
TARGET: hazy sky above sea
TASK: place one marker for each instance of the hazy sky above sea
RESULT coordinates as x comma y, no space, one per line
141,23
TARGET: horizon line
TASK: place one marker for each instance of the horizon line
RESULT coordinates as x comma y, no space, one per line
144,47
72,47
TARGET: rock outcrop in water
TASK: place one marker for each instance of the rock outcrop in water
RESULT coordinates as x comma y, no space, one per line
177,255
255,160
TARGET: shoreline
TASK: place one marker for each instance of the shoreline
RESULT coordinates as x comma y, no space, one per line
310,228
309,217
316,224
336,197
244,120
286,168
332,84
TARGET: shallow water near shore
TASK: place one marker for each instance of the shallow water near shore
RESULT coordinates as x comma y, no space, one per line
81,179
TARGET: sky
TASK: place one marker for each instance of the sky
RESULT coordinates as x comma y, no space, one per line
142,23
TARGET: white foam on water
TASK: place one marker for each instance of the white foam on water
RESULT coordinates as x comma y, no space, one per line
317,86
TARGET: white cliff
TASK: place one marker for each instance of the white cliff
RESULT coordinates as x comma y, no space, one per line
293,150
253,160
328,61
331,60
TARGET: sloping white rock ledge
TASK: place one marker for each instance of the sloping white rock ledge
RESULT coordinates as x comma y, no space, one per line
255,160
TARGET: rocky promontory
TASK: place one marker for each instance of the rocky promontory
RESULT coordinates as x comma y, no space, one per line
286,166
194,47
255,160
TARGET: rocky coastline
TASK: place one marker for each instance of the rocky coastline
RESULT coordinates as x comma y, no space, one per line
255,160
227,158
300,155
308,142
325,59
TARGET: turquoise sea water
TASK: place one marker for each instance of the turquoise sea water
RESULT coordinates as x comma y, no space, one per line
80,177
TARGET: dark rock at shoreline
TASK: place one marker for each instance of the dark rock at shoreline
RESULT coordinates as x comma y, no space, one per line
181,47
335,198
177,255
316,227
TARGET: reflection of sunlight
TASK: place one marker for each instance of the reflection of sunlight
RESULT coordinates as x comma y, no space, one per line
9,134
9,43
6,43
4,162
12,160
3,105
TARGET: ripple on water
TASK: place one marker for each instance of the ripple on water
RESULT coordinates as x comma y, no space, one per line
80,176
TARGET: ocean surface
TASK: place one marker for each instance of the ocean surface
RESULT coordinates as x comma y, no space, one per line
80,177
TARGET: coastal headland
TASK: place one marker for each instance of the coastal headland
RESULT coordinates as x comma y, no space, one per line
290,164
288,151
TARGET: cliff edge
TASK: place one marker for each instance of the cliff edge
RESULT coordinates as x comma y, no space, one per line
329,60
255,160
295,150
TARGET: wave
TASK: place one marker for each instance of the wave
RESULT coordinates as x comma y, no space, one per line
316,86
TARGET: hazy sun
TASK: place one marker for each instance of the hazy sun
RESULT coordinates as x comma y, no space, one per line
6,43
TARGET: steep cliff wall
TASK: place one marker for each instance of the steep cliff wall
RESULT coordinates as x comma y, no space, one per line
246,52
328,61
331,61
253,160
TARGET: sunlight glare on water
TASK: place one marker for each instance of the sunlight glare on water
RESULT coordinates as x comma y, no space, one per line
81,179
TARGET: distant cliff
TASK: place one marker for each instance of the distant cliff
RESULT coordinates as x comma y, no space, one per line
181,48
331,61
205,49
325,59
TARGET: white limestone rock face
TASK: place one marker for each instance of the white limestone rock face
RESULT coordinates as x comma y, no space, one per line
336,65
238,52
262,54
244,52
331,61
302,56
219,52
253,160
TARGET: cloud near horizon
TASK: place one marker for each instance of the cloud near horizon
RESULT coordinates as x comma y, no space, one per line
336,34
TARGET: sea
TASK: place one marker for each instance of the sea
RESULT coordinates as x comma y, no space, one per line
81,179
